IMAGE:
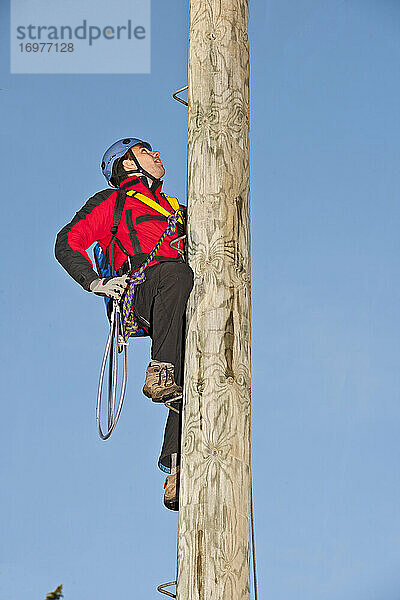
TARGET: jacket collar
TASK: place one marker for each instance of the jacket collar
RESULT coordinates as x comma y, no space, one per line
139,184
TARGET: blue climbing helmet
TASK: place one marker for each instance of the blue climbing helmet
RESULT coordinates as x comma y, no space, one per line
117,150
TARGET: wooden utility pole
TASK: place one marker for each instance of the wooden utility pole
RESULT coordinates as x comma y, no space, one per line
214,516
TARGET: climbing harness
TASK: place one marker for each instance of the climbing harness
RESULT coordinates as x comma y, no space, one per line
173,202
123,324
138,277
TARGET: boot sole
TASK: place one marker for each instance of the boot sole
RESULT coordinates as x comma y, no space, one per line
172,505
162,399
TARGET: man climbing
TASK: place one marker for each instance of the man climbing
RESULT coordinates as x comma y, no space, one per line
133,167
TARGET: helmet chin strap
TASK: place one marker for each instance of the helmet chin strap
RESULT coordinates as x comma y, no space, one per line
141,170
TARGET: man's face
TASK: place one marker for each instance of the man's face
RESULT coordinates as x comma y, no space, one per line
149,160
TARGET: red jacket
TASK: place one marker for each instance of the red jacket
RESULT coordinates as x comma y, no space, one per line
140,228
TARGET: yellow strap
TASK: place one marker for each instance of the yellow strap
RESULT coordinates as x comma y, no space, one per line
173,202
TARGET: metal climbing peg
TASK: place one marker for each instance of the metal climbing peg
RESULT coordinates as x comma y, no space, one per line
160,588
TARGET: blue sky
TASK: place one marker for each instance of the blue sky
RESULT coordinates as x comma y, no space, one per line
325,219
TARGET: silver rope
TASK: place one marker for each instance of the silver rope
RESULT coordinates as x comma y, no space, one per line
113,345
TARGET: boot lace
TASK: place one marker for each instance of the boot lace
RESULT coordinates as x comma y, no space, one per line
168,377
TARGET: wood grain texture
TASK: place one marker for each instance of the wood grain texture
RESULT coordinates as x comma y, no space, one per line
214,517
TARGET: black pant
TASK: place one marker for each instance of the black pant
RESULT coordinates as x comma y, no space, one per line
161,301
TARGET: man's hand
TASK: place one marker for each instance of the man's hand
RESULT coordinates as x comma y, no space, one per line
110,286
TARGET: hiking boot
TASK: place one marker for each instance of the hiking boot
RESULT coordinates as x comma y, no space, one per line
171,494
160,382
